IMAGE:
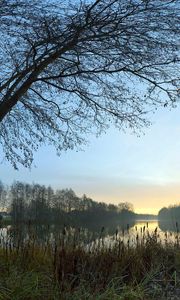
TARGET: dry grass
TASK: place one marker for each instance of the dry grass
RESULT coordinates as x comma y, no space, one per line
68,269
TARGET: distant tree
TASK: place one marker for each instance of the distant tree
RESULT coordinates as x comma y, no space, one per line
3,197
112,207
126,206
163,213
170,213
67,70
18,202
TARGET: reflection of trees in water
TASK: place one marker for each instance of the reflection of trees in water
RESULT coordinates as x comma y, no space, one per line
53,233
16,234
110,226
56,234
45,234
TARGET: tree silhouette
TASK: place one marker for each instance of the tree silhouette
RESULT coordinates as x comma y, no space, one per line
68,70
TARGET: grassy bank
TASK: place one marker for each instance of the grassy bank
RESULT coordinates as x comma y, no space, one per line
68,269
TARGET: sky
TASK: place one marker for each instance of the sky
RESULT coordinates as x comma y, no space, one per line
116,167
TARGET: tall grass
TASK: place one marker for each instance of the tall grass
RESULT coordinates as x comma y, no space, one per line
67,268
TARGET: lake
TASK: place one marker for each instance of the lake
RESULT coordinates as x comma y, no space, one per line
127,233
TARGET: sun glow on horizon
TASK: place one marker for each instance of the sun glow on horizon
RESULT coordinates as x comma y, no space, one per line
148,210
118,167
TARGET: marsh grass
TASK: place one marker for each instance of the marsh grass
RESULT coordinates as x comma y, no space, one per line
69,269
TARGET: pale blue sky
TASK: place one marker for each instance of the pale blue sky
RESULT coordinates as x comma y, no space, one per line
116,167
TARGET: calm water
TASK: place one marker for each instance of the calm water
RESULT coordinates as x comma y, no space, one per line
131,234
142,230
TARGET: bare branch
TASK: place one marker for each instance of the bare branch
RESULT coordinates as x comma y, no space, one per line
65,73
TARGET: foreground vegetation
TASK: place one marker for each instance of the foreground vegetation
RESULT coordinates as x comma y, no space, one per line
70,269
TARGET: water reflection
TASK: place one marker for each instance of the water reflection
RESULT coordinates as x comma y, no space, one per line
131,233
150,225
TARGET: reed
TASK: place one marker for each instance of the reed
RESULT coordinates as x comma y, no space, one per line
68,268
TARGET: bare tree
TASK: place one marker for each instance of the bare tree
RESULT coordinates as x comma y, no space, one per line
125,206
67,71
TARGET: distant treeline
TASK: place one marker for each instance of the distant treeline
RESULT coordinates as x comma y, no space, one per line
40,204
169,218
171,213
